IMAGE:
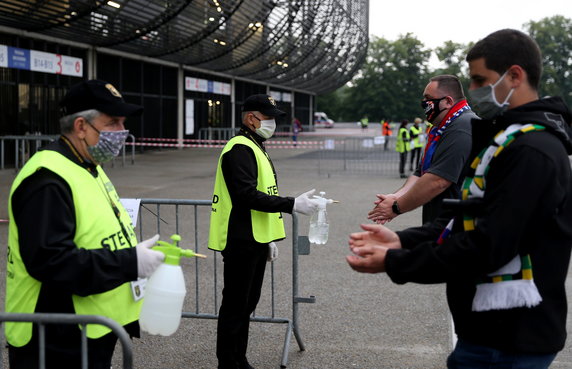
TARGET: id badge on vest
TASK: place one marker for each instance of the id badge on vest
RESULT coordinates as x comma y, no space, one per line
138,288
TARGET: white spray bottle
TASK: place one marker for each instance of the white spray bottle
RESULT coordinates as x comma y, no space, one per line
319,225
165,291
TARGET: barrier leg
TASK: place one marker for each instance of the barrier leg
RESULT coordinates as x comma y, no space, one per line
286,345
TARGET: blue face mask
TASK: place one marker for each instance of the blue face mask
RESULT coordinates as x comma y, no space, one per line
108,146
484,101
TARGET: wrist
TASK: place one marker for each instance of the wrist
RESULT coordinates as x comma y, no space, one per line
395,208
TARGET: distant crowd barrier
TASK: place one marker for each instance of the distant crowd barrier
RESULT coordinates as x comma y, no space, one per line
27,145
355,154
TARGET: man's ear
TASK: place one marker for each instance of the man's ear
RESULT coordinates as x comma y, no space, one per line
516,75
80,127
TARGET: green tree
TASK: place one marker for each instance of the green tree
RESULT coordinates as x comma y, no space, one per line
390,82
554,37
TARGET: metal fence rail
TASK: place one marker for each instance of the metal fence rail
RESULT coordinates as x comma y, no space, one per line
41,319
357,155
25,146
189,218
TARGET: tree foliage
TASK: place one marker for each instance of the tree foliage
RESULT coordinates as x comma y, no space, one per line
554,37
390,83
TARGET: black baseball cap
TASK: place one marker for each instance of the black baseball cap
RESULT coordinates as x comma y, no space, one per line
99,95
264,104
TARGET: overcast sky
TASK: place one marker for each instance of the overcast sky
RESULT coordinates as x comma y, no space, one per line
434,22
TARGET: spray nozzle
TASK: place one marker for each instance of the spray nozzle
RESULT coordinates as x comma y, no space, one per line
322,201
173,253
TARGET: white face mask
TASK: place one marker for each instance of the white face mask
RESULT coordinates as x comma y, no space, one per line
484,101
267,128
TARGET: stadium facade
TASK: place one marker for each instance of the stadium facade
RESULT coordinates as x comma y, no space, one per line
190,63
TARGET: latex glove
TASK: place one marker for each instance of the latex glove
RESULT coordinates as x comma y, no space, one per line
148,260
272,252
303,204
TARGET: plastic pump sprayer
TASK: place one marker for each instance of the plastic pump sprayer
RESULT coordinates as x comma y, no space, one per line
319,225
165,291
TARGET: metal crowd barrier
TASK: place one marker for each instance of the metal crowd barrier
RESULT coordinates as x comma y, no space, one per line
25,146
20,147
217,133
195,214
41,319
361,155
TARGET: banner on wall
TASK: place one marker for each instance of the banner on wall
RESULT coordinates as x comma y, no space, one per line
204,85
40,61
189,116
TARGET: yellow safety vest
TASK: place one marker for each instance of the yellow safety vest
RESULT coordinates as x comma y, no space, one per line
96,227
416,140
266,227
402,143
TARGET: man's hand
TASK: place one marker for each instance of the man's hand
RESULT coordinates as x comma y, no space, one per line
370,248
382,211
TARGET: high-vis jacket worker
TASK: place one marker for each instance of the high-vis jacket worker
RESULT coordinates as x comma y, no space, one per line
402,146
71,245
415,134
246,219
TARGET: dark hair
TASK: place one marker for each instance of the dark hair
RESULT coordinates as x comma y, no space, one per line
507,47
449,84
404,123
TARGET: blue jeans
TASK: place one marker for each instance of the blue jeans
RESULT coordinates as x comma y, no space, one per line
469,356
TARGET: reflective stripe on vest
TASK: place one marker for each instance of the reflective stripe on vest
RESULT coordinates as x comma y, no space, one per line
266,227
401,145
96,227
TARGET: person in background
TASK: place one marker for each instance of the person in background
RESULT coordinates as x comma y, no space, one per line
71,245
439,174
416,134
402,146
503,249
386,132
364,122
296,128
246,220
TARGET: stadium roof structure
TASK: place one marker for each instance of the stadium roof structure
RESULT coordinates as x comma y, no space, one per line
313,45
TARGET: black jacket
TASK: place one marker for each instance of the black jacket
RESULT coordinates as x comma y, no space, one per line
241,176
527,207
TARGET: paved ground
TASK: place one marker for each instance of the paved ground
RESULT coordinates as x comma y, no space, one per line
358,321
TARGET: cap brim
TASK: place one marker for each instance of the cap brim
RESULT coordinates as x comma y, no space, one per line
273,112
121,109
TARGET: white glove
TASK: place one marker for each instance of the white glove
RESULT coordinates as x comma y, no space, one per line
303,204
148,260
272,252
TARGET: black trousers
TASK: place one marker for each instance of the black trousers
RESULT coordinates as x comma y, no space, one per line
415,156
402,160
244,266
62,354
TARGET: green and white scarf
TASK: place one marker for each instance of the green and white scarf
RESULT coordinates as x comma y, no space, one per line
512,285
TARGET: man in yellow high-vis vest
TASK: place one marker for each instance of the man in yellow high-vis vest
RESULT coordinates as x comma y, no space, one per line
71,245
246,219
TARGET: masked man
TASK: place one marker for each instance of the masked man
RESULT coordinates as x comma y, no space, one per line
439,174
71,245
246,219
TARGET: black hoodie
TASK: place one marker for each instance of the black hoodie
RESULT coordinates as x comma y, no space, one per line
526,208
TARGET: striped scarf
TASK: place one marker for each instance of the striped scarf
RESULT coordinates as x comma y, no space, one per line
512,285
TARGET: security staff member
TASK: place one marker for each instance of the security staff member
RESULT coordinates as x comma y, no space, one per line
246,219
415,132
71,246
402,146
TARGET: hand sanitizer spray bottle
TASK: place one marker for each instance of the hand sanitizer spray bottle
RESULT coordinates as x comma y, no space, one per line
319,225
165,291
